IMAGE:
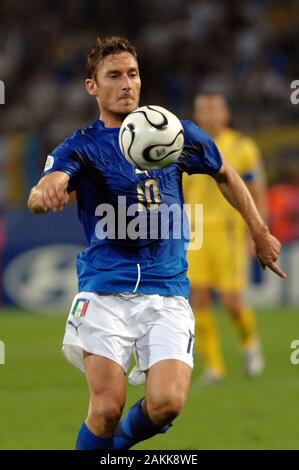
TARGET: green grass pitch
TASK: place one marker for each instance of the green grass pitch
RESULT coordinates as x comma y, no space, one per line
43,400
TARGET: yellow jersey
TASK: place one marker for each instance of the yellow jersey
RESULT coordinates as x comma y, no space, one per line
243,155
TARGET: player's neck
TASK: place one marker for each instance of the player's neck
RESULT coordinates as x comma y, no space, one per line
110,120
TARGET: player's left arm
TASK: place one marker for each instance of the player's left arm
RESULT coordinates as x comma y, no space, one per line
253,173
237,194
257,188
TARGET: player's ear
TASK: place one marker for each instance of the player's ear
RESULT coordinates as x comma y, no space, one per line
91,86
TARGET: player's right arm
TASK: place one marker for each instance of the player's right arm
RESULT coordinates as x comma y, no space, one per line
50,193
58,180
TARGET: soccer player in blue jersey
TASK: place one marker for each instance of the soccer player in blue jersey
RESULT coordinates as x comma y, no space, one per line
133,293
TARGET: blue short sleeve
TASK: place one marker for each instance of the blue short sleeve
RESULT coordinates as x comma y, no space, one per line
64,158
200,153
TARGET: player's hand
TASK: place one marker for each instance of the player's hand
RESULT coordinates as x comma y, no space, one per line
267,249
50,193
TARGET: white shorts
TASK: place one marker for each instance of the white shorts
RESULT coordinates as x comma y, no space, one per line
152,327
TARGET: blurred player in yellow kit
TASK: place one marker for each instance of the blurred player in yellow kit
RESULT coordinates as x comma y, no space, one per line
221,263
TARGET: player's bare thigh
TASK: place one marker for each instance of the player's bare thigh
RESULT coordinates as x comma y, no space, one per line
106,383
167,388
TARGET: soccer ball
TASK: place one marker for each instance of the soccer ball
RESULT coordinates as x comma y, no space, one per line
151,138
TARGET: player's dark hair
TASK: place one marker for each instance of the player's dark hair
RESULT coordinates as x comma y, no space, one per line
103,48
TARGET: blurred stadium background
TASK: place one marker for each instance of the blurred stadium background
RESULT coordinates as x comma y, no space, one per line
249,50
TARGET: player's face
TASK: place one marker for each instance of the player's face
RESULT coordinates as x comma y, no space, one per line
117,85
211,113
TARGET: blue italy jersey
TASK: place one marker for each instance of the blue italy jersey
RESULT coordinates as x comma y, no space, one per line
133,220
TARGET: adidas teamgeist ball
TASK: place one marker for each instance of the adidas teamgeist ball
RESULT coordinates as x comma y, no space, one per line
151,137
